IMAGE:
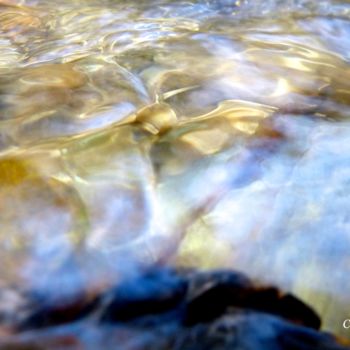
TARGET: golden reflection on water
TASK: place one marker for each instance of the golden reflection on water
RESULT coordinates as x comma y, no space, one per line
185,132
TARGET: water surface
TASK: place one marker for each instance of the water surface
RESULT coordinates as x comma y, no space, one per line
195,133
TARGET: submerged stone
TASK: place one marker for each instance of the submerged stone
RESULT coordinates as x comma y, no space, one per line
185,309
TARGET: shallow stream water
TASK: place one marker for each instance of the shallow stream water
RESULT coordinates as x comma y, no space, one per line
191,133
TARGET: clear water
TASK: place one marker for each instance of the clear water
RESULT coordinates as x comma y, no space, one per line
196,133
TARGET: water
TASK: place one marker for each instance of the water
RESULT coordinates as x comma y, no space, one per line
194,133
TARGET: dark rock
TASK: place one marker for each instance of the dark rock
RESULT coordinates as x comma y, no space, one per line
45,313
254,331
179,310
213,294
156,292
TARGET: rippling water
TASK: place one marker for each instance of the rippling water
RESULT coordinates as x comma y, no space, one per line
198,133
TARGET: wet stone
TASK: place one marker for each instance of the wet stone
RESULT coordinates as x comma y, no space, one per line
213,294
177,309
155,293
45,314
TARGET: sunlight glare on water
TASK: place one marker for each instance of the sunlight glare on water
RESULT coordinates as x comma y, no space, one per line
196,133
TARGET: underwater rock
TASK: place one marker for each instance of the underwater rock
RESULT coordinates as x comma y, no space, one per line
176,309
